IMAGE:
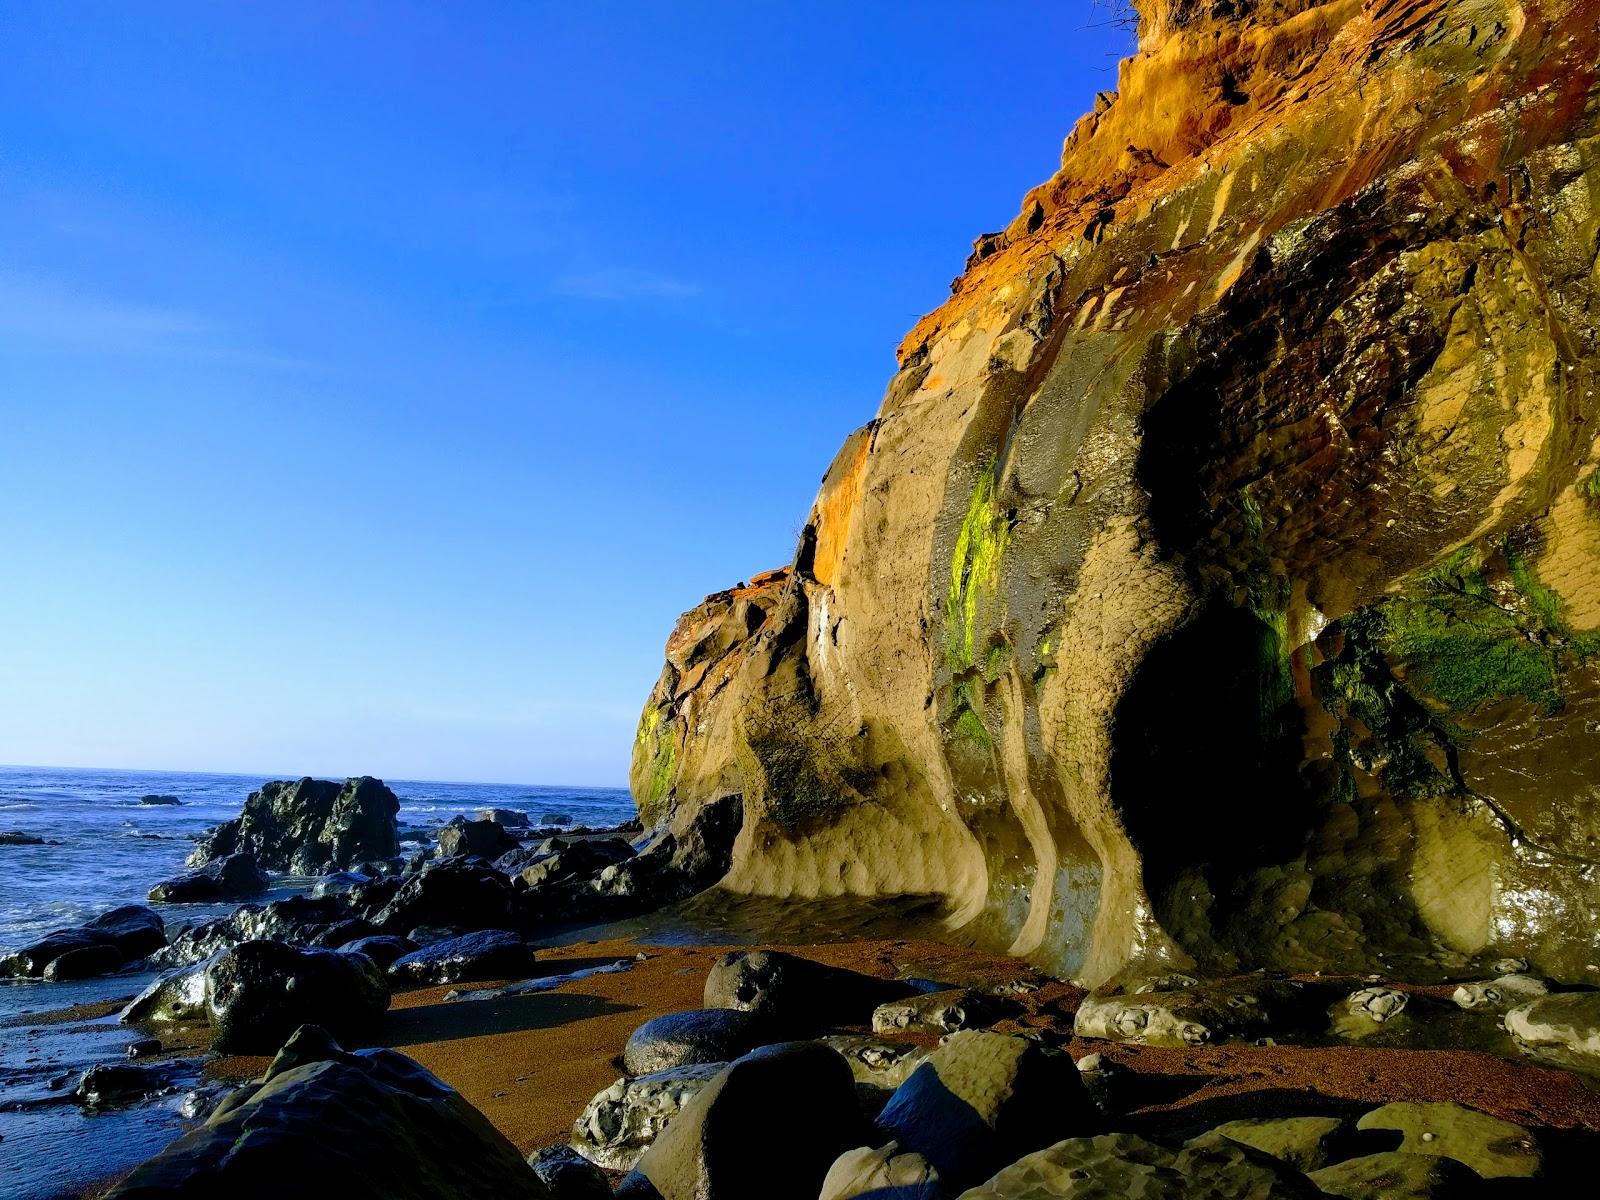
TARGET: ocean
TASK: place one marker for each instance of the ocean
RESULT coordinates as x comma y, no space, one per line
103,849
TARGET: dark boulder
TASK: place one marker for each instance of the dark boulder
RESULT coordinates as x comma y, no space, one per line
769,1125
133,929
15,837
160,800
456,892
382,949
697,1036
336,935
309,826
574,860
983,1100
329,1123
556,818
233,877
258,993
94,948
485,839
796,993
294,919
509,817
486,954
86,962
114,1085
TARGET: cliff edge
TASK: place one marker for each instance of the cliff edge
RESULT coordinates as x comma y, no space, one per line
1219,580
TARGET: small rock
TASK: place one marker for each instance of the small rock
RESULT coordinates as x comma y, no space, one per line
886,1173
568,1174
115,1086
1376,1003
938,1012
160,800
1500,995
509,817
621,1122
698,1036
144,1047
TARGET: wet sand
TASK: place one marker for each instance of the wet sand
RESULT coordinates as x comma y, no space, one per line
531,1063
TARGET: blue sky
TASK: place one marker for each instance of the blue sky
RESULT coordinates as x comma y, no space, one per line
379,382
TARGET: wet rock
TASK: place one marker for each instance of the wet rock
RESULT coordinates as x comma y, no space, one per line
568,1174
144,1047
309,827
455,892
294,919
875,1061
556,818
232,877
1304,1143
1563,1028
574,860
177,997
129,932
15,837
340,932
509,817
383,949
1246,1007
1499,995
939,1012
1394,1175
160,800
485,954
1493,1148
621,1122
369,898
373,1123
1123,1165
982,1100
85,962
116,1085
770,1123
485,839
258,993
885,1173
796,993
698,1036
340,883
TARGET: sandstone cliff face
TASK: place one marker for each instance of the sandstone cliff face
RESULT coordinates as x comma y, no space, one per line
1219,581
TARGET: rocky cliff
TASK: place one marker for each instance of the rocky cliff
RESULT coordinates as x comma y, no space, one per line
1219,581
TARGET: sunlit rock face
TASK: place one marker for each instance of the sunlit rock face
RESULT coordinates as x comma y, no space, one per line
1219,581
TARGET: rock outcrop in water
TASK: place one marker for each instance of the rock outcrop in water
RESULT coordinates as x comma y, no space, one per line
1219,581
310,827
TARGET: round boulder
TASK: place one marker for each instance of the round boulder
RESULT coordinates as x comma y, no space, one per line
258,993
682,1039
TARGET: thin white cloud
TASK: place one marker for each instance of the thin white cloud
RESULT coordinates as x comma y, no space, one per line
624,283
42,315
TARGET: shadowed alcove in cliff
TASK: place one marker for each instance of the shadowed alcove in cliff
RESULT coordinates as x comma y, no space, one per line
1205,769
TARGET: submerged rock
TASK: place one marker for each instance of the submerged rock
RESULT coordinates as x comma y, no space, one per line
309,827
1563,1028
166,801
622,1121
1395,1175
373,1123
1499,995
682,1039
769,1124
258,993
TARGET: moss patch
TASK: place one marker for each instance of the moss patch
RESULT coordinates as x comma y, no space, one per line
1589,487
974,570
659,750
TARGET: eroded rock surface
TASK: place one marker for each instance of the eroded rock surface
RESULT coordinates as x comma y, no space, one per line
309,827
1219,580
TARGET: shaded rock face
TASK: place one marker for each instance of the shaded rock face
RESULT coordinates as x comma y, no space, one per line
310,827
1219,581
258,993
372,1123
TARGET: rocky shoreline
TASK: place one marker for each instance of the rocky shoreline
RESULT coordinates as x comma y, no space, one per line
450,1008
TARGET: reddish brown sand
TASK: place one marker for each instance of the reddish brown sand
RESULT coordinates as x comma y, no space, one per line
532,1062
